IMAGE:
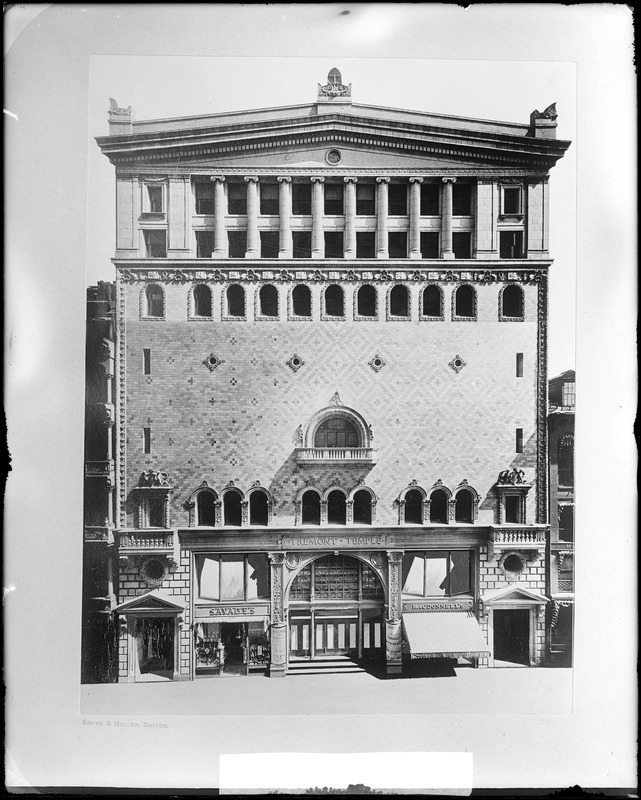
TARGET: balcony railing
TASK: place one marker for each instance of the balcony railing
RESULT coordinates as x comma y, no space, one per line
146,542
516,538
98,533
98,469
334,455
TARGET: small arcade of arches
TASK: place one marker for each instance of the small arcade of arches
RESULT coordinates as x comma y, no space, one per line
335,506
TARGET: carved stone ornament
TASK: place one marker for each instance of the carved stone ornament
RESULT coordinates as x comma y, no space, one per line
292,561
116,110
548,113
377,363
334,86
512,574
457,364
335,400
376,560
511,476
212,362
295,363
153,478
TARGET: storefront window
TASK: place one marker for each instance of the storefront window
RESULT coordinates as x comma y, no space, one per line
437,574
226,578
436,584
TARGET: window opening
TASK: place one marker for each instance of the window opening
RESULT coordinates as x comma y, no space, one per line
519,365
365,244
334,244
146,361
154,297
206,507
204,244
146,433
301,199
205,198
414,507
269,198
397,245
237,198
511,244
512,508
232,508
268,301
568,394
430,200
365,200
237,243
302,301
519,440
155,244
437,573
334,199
464,301
154,199
336,432
311,508
429,244
438,507
399,301
366,301
512,301
432,301
566,460
462,200
202,300
463,506
336,509
258,508
269,244
235,300
566,523
334,301
397,199
302,244
511,200
362,508
462,244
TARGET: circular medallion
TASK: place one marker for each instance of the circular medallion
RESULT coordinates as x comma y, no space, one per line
292,560
333,157
154,571
376,560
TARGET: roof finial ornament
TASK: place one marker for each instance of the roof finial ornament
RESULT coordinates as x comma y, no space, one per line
334,86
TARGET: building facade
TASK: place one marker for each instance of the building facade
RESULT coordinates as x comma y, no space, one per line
562,395
330,406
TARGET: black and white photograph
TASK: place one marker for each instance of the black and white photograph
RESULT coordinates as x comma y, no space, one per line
320,299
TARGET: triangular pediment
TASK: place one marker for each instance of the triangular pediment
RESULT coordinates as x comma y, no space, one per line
514,594
151,601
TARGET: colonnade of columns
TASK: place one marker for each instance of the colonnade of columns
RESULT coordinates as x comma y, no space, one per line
285,246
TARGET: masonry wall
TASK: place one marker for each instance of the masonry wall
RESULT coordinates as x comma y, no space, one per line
239,422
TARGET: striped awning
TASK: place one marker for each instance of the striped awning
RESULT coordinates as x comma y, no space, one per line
444,634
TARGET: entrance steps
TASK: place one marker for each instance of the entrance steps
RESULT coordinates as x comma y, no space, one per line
323,666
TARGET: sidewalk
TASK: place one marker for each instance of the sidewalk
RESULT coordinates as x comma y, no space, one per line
463,690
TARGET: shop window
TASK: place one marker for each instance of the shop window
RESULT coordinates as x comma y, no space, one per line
513,505
302,301
519,440
155,244
237,199
465,302
365,199
566,460
268,298
362,509
204,244
444,573
366,301
237,243
432,301
336,509
512,302
153,199
336,432
413,507
397,199
519,365
258,508
430,200
205,203
429,244
301,199
232,509
235,300
462,244
311,508
232,577
464,506
334,301
334,199
269,244
439,507
397,244
154,301
155,645
511,244
399,301
269,198
511,200
302,244
206,509
334,244
202,300
365,244
462,200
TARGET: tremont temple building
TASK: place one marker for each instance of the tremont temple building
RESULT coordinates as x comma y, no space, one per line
316,426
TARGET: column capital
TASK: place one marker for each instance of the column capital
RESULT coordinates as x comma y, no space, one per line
276,559
350,179
317,179
448,180
383,179
217,178
416,179
284,179
395,556
251,178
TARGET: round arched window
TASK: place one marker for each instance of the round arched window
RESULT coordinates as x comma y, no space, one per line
336,432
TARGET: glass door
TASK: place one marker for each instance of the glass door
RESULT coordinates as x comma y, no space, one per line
335,636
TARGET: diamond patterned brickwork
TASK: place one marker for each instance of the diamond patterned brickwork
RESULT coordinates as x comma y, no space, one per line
239,422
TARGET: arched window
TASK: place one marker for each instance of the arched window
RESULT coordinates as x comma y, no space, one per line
362,508
464,505
512,301
202,300
302,301
232,508
399,304
154,301
205,504
438,506
336,509
414,507
268,301
432,301
566,460
258,508
366,301
235,300
336,432
465,301
334,301
311,508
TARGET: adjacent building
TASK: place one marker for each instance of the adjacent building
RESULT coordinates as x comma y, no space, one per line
329,390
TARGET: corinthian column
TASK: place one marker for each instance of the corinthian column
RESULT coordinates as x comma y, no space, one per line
446,219
349,247
278,628
393,651
285,207
415,217
253,238
381,222
220,240
318,244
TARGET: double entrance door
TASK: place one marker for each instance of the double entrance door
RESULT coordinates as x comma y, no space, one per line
512,635
334,634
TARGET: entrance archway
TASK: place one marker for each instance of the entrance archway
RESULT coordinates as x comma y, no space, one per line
335,609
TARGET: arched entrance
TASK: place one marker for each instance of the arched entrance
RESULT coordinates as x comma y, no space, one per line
335,608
